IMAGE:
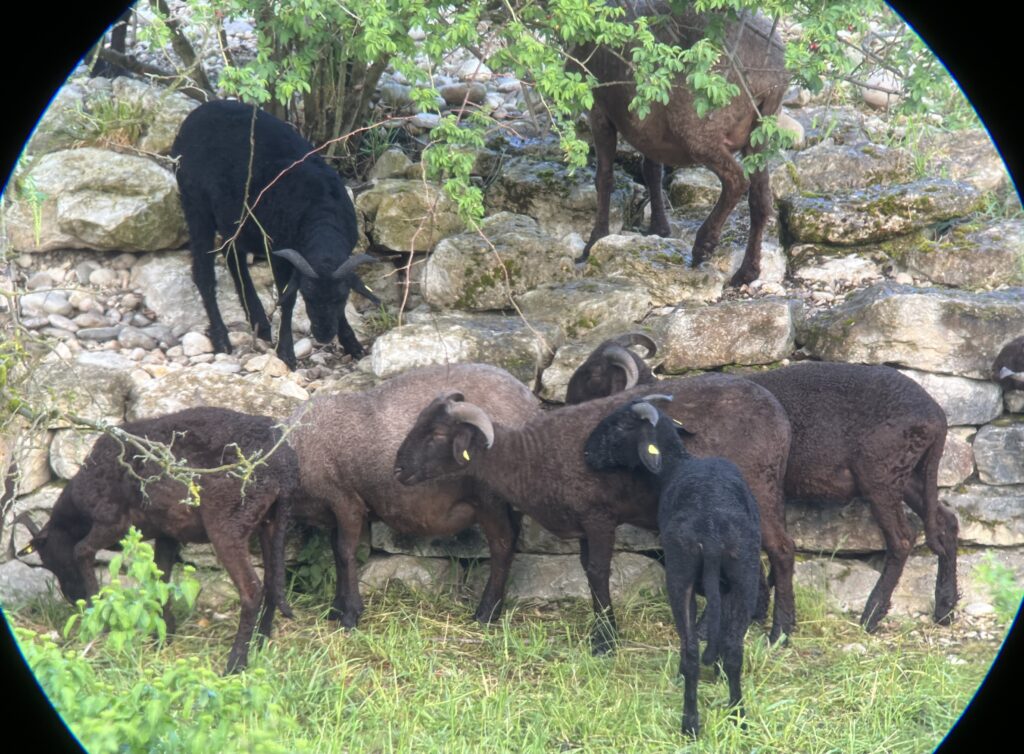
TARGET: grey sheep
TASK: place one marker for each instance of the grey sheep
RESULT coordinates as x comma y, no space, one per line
292,208
540,470
710,531
346,444
106,497
868,432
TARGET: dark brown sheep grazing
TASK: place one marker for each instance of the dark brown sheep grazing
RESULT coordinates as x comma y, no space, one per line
346,444
106,497
674,134
539,469
871,432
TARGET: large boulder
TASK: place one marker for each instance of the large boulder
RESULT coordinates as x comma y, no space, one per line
508,342
966,155
828,168
968,256
876,213
408,216
949,332
205,386
165,282
999,453
964,401
661,265
561,202
123,112
760,331
989,515
96,199
581,306
481,273
95,385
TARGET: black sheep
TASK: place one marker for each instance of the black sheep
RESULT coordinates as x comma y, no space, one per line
106,497
710,531
241,166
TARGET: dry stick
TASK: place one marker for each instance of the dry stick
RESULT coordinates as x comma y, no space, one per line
184,48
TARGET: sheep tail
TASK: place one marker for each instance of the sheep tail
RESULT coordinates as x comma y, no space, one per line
930,493
712,566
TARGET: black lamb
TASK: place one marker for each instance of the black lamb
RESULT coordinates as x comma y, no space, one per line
711,534
107,496
252,178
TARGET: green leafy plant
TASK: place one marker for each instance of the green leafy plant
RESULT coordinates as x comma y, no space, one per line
132,603
117,697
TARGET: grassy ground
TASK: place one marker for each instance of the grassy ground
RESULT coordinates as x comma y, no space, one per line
420,676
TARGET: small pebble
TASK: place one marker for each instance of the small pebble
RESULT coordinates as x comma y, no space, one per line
102,278
39,280
195,343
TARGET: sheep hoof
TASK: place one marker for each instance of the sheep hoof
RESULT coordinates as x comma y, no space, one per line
743,276
691,727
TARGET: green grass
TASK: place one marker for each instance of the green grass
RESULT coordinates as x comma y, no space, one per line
420,676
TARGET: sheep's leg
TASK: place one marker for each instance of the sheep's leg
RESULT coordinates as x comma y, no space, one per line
946,592
760,201
165,555
653,172
734,626
605,138
888,512
239,269
347,338
200,232
775,541
596,558
233,554
272,533
680,577
348,603
729,173
84,552
285,345
501,540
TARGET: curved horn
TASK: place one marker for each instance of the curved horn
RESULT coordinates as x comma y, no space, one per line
620,357
656,397
350,264
474,415
298,262
24,518
646,411
637,339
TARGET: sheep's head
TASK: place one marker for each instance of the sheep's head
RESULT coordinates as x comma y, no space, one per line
1008,367
610,369
446,437
55,547
628,437
325,295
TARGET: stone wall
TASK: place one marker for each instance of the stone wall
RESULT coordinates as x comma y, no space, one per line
867,260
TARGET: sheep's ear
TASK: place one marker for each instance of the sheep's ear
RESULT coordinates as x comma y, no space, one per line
461,451
34,544
650,454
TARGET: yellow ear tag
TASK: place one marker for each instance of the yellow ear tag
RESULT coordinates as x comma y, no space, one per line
653,450
465,454
27,550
